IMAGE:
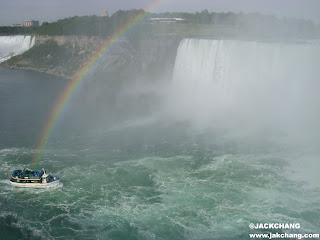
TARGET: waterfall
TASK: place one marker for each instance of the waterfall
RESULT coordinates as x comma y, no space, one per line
14,45
247,84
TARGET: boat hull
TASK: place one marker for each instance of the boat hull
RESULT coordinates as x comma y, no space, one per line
35,185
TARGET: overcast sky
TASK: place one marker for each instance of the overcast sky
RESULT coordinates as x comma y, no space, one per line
16,11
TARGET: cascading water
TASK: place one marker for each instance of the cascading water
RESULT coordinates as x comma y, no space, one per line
247,84
14,45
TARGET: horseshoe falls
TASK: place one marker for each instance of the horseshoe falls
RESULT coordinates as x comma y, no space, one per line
14,45
231,141
248,85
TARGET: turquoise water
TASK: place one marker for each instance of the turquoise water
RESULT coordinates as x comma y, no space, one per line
129,176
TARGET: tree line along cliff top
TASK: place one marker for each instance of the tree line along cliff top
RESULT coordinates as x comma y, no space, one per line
199,23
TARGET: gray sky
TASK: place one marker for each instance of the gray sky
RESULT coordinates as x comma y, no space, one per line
16,11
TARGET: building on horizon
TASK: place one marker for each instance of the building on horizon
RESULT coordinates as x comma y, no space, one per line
166,20
17,25
31,23
105,14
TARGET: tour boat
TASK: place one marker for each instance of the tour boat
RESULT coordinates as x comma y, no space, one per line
33,179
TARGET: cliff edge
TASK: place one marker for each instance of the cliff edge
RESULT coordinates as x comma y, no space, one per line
65,55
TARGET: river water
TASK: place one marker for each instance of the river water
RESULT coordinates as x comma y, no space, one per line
128,172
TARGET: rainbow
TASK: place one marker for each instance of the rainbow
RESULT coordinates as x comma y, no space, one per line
80,75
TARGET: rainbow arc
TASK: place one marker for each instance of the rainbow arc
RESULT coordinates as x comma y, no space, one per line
80,75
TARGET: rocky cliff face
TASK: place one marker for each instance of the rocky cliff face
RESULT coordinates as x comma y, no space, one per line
83,42
158,55
64,55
